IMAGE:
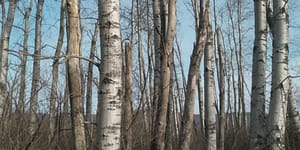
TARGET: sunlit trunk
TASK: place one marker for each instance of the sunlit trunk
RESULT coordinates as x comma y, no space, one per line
280,82
193,75
209,91
74,76
168,32
258,121
110,89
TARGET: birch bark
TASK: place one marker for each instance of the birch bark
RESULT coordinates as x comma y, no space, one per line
258,122
4,46
110,90
280,84
209,90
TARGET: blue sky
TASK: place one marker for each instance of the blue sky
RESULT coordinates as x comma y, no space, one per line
185,33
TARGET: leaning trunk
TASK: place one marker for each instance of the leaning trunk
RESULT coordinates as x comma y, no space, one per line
54,95
188,116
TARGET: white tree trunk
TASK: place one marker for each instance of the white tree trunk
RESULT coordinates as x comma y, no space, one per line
110,90
209,91
258,121
4,45
35,85
280,84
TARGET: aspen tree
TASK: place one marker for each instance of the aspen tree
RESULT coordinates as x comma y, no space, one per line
193,75
209,90
7,23
221,65
110,87
293,116
258,122
157,53
73,74
89,87
127,103
280,83
168,32
21,101
35,85
53,92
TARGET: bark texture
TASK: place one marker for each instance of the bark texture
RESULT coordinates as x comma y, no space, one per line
7,23
169,28
209,90
280,84
73,72
127,105
110,91
258,122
